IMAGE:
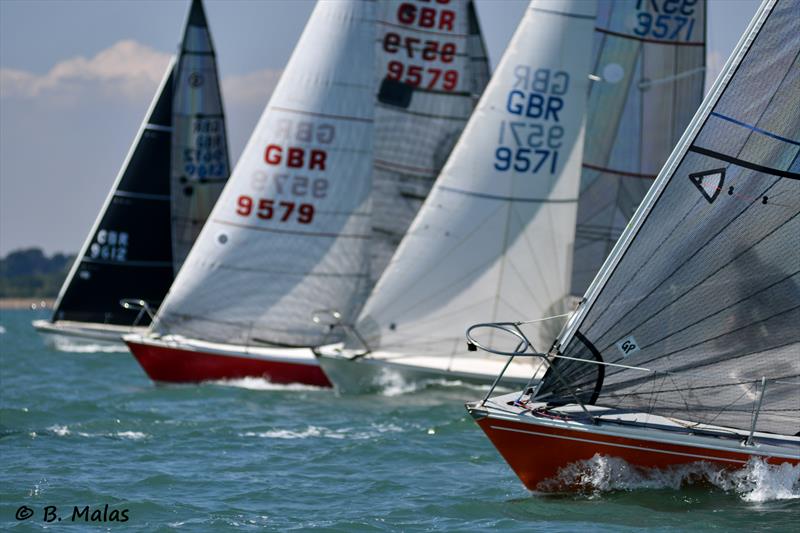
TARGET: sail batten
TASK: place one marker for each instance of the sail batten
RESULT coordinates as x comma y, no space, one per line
704,286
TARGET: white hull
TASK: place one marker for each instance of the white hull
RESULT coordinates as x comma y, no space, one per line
378,371
84,336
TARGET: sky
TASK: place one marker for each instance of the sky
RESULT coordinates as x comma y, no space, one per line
76,77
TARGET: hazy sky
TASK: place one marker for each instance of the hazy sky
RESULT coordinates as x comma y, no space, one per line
76,78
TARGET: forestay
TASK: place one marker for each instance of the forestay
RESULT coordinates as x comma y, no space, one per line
128,252
649,58
704,287
200,148
432,67
492,241
291,230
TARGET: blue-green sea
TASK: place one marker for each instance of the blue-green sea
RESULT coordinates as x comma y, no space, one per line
89,429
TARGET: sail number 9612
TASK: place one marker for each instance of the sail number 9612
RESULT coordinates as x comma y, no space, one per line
268,209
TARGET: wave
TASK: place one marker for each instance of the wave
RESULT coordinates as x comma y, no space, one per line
263,384
83,347
2,330
391,383
64,431
758,481
325,433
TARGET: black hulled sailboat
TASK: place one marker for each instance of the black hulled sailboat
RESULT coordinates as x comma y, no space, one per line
168,183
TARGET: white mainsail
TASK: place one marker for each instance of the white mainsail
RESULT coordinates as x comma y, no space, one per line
493,239
703,288
199,146
291,231
431,69
649,60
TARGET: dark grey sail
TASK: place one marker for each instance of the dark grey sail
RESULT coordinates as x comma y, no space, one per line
649,65
129,252
200,165
703,288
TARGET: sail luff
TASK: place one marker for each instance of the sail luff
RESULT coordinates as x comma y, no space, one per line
164,84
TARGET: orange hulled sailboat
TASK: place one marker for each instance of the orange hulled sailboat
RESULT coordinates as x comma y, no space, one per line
685,348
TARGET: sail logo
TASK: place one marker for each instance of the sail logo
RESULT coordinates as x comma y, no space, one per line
628,346
709,183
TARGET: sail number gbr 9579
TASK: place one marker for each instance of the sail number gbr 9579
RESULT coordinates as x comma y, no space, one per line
530,141
426,58
296,176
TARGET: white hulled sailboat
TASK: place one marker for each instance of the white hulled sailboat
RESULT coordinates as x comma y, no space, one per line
495,238
686,348
178,159
292,234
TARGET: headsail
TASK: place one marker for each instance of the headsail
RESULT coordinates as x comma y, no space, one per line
128,252
200,148
291,231
649,58
506,199
703,288
432,67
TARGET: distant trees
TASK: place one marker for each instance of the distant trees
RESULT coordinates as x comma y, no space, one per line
29,273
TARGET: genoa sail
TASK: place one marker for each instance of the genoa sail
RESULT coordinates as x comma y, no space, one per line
199,146
128,252
703,288
290,234
432,67
650,84
505,200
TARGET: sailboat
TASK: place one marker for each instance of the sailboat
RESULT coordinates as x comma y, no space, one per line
496,237
686,347
168,183
290,239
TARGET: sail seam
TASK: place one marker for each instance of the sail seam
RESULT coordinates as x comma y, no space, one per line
646,40
510,198
293,232
322,115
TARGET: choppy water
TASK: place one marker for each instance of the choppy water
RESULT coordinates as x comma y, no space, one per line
91,429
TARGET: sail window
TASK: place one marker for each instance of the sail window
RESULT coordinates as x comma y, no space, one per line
395,93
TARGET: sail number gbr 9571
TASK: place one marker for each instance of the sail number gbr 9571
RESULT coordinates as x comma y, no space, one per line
531,142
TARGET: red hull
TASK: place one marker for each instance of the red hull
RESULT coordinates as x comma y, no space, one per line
536,453
175,365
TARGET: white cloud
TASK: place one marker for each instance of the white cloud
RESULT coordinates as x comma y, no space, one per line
253,89
127,68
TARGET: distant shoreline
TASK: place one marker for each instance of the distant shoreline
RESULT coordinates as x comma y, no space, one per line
26,303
